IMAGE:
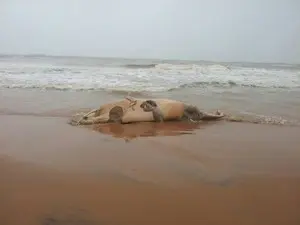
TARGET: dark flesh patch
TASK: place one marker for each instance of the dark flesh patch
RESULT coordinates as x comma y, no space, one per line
151,106
192,112
148,105
116,114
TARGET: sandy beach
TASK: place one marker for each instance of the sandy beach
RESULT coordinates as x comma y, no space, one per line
218,173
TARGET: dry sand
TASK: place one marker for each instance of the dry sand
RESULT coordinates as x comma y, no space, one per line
214,174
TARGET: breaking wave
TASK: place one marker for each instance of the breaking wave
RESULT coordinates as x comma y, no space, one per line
228,84
120,92
139,77
140,66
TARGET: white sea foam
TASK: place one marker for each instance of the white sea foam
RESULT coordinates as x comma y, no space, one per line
159,77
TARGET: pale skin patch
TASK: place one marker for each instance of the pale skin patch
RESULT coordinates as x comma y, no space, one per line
114,115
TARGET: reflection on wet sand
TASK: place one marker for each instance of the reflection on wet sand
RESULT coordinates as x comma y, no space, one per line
148,129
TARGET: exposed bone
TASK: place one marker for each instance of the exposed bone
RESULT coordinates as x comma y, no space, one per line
86,115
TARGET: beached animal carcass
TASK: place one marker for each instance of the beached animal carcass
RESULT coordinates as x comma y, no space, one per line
131,110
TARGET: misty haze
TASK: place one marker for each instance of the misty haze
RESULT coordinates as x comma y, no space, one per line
162,112
255,31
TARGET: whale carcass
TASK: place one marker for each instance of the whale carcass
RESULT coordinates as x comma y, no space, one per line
131,110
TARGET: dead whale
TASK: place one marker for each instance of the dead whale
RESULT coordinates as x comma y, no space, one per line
131,110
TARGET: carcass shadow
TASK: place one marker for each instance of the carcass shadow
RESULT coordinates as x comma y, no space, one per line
148,129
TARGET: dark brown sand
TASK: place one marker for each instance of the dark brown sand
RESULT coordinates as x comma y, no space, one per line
214,174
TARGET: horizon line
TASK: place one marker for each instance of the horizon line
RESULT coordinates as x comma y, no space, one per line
141,58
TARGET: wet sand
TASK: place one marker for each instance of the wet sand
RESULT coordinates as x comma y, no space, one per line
217,173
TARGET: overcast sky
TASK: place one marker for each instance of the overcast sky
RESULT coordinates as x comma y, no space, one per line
221,30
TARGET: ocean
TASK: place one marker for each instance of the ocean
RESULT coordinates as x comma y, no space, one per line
61,86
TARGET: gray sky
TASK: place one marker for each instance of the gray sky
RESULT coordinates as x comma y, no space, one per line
221,30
